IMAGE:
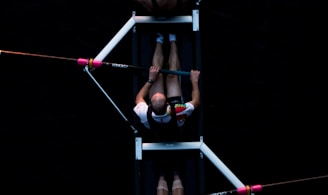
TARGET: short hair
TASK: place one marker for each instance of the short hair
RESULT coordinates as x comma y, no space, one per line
158,104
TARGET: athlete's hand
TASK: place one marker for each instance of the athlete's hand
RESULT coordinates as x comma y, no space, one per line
153,72
194,75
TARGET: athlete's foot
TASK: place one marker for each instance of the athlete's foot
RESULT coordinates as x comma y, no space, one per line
177,187
162,188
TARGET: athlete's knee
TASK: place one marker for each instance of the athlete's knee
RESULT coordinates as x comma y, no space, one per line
172,77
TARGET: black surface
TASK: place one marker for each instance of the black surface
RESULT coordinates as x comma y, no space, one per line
263,82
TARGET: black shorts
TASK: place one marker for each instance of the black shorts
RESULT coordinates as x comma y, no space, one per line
175,100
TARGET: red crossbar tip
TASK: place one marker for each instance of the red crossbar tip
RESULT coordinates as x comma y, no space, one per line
89,62
256,188
248,189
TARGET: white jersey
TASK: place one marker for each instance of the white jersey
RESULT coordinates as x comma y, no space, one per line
182,112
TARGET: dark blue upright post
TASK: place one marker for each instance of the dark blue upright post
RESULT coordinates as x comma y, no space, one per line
198,65
137,165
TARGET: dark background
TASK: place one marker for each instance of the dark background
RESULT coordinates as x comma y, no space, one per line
263,71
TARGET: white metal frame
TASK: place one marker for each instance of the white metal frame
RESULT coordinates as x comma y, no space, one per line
139,146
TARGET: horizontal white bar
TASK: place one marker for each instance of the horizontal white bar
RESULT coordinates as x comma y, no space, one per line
171,146
153,19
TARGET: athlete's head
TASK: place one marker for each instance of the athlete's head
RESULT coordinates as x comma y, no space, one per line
158,103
